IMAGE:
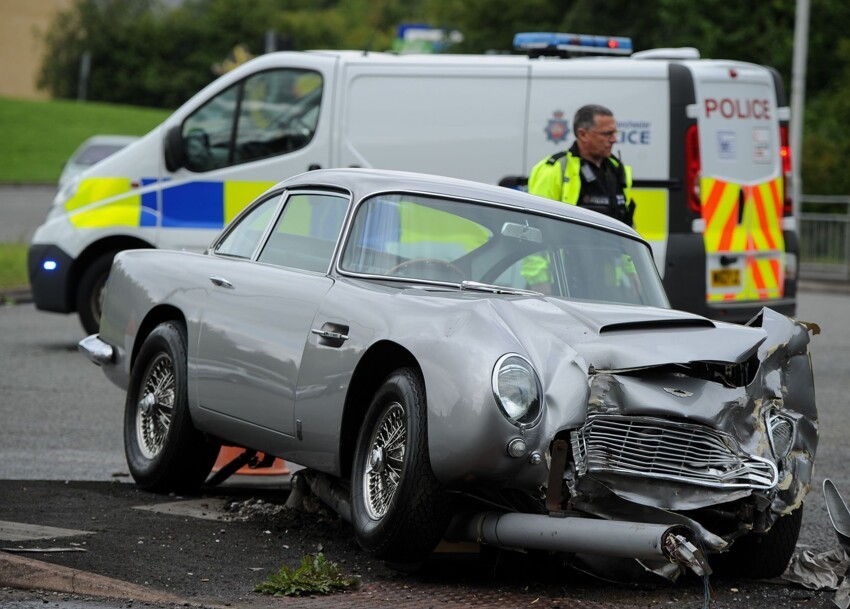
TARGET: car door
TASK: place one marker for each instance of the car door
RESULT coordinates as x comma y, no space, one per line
270,279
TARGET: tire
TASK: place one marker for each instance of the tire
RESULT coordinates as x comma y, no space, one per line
399,509
165,453
762,555
90,292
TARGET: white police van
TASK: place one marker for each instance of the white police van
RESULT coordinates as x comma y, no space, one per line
707,141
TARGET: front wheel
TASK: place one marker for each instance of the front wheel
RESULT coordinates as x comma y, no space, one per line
399,509
164,450
763,555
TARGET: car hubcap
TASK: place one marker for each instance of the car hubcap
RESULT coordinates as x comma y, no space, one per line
153,415
386,458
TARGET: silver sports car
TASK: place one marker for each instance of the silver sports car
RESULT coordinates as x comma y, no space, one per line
464,362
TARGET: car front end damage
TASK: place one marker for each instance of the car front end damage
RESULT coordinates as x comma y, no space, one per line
677,461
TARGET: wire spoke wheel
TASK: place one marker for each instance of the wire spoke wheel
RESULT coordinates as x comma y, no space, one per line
165,451
386,459
156,406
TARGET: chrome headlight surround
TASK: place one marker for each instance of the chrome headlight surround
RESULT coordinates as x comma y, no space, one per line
781,431
517,390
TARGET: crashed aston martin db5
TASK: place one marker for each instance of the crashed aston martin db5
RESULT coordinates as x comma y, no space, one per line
468,363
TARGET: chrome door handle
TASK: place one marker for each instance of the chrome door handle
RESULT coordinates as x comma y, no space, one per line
330,335
221,282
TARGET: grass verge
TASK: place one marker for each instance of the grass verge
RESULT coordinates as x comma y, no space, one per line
39,136
13,265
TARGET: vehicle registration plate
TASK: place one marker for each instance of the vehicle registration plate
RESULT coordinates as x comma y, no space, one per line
725,278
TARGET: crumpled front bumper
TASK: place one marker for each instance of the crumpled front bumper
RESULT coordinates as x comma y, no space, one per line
664,442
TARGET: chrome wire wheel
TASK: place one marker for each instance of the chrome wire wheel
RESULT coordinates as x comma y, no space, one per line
155,406
384,465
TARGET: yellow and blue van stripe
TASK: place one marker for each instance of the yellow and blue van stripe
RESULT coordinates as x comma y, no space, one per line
110,201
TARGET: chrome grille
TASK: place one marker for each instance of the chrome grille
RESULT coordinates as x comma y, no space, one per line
658,448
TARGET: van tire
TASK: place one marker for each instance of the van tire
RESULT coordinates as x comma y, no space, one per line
90,291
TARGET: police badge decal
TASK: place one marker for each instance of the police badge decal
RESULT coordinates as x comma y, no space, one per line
556,129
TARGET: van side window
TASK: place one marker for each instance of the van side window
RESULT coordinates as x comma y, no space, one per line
267,114
306,232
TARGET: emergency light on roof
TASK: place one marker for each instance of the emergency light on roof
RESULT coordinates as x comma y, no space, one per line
552,43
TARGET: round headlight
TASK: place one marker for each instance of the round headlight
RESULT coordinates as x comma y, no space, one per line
517,390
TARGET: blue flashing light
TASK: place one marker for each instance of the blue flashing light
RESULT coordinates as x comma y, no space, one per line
49,265
554,43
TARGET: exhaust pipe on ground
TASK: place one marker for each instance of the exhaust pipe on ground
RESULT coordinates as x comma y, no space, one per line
639,540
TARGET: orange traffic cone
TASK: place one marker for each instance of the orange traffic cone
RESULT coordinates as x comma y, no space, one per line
229,453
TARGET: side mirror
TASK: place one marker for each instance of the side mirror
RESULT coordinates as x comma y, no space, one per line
174,155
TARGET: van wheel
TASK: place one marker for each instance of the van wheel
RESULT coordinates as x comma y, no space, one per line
164,450
90,292
399,509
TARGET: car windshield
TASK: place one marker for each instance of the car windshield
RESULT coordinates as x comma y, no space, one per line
437,240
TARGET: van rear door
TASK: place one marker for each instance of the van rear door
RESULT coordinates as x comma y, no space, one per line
741,184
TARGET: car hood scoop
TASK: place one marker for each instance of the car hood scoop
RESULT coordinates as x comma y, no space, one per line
618,337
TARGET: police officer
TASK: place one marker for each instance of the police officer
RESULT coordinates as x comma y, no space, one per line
587,175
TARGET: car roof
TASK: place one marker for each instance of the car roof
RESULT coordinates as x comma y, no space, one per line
363,182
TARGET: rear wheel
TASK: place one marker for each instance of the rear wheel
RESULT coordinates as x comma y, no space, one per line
399,509
765,555
90,292
164,450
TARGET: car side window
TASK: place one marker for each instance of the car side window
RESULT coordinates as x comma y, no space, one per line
267,114
306,232
244,237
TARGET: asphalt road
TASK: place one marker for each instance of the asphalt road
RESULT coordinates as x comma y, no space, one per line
22,209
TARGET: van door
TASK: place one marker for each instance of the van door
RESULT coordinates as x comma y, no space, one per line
741,184
638,95
457,116
246,135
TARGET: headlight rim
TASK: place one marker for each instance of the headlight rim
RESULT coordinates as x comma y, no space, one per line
523,422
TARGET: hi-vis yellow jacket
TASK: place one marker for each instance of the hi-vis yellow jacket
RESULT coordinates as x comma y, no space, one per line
558,177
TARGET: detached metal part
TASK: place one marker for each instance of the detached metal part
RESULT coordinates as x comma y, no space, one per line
576,535
839,514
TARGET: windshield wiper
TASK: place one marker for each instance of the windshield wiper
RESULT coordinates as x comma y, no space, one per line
496,289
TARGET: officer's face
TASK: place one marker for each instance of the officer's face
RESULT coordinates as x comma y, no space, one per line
596,144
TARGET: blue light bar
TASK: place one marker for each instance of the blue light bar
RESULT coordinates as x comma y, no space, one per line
555,43
49,265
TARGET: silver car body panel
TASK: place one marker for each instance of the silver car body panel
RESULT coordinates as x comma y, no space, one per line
272,353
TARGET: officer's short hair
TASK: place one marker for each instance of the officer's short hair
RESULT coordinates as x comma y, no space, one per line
586,117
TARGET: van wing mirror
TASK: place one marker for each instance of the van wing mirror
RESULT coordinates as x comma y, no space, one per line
523,232
174,156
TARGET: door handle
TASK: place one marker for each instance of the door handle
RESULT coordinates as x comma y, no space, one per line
331,335
221,282
313,167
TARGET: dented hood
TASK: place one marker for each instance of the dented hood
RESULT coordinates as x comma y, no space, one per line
616,337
